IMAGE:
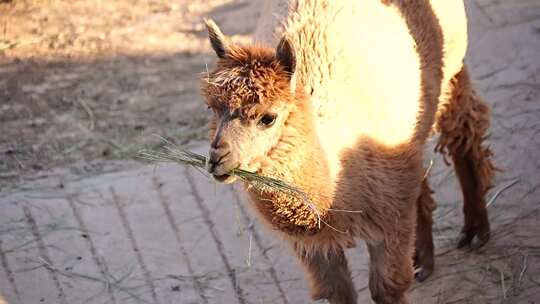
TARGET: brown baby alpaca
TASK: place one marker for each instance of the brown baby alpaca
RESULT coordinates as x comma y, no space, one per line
297,113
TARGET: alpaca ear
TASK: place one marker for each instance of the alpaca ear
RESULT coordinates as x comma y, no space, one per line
220,43
286,56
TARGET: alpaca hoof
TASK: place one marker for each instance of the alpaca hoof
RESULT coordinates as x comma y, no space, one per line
473,239
321,294
423,267
422,273
346,295
424,263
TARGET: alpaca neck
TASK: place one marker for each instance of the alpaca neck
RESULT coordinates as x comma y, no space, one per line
297,159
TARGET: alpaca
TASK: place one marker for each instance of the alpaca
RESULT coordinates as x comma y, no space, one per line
342,108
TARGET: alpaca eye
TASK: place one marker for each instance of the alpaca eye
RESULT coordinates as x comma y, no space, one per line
268,120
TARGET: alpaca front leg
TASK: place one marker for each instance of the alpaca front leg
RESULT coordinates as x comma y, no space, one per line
391,270
329,275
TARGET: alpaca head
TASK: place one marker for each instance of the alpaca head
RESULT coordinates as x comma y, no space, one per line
250,94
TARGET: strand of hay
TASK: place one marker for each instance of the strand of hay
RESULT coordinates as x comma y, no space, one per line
501,190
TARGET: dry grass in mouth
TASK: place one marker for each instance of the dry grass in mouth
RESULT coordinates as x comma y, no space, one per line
178,155
174,154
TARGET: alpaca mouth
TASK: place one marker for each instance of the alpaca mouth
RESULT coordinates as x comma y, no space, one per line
225,178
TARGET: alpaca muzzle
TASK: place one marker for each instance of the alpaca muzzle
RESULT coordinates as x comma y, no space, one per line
221,162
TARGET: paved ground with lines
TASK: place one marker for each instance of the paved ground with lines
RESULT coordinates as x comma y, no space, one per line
110,231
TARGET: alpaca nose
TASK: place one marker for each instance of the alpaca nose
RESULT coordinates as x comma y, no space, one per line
221,159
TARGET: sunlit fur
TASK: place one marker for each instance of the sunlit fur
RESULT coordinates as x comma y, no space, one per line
372,80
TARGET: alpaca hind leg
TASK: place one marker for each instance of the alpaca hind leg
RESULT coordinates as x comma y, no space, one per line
423,257
463,121
329,275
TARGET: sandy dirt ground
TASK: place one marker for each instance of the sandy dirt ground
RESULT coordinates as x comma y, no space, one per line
86,84
95,79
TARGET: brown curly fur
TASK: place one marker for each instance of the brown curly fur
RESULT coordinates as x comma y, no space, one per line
247,78
381,194
463,122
